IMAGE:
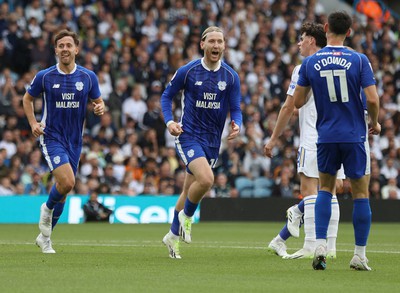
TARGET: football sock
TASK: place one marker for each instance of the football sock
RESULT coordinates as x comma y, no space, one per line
284,234
54,197
323,212
360,250
361,220
333,225
309,224
58,209
190,207
175,223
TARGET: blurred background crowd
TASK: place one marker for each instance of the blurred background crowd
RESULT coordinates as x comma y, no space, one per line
135,47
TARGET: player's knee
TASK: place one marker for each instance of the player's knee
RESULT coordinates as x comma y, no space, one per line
67,185
207,182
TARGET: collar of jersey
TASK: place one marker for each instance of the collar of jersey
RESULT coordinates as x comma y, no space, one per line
206,68
62,72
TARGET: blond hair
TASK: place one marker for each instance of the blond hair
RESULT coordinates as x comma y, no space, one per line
209,30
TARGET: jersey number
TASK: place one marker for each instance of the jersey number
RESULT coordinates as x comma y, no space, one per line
213,162
341,73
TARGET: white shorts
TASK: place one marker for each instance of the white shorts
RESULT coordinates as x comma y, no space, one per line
307,164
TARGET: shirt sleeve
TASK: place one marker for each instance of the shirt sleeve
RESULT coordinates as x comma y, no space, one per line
36,86
303,79
367,75
235,111
95,90
174,86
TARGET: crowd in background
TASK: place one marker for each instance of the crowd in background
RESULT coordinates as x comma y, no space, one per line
135,47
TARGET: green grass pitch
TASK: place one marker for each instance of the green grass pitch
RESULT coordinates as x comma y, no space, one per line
223,257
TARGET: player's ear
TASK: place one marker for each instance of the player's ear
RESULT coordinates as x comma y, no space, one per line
348,32
326,27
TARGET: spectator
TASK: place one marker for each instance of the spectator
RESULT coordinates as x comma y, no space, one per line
221,188
391,190
94,211
6,188
254,163
388,169
134,107
8,143
36,187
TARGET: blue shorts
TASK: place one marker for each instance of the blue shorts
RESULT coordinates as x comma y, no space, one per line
355,158
190,150
57,154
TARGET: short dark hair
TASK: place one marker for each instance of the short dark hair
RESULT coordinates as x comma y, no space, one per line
316,31
66,33
339,22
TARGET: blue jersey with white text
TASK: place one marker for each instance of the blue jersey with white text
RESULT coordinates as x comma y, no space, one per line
336,76
65,97
207,97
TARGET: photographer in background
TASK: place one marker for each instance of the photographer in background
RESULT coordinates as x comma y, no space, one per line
94,211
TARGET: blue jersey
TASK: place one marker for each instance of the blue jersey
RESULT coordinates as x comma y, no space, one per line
206,99
65,97
336,76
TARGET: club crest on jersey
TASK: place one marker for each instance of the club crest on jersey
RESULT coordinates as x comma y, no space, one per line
190,153
222,85
56,160
79,85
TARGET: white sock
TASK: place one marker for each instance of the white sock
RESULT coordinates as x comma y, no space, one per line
360,251
173,236
333,225
320,242
309,222
279,238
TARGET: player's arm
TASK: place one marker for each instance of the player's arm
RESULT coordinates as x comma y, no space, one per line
300,96
283,119
95,95
98,106
234,108
371,94
36,127
373,108
172,89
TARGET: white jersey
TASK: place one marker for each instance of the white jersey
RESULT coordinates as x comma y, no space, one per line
307,153
307,116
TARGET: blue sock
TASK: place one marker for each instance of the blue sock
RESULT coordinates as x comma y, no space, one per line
58,209
285,234
190,207
175,224
300,206
361,220
54,197
323,212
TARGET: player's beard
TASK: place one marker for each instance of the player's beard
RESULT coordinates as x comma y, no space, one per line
66,59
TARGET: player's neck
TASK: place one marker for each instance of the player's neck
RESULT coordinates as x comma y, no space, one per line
67,69
211,65
335,40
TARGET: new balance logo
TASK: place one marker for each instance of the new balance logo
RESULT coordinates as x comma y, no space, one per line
198,83
56,86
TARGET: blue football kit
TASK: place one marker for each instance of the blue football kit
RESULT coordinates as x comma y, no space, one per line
207,97
337,75
65,97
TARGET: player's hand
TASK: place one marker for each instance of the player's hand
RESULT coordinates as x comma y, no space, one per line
98,108
375,129
234,132
268,148
175,129
38,129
